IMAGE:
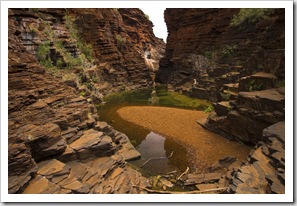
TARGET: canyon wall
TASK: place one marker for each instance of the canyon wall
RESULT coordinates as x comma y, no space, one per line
119,47
203,45
241,69
62,61
55,142
126,50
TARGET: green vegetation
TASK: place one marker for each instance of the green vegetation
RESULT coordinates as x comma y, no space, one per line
164,97
43,54
208,54
280,83
53,52
239,63
225,52
226,96
94,79
228,50
82,93
253,85
250,15
147,16
85,48
88,85
120,40
209,109
60,63
67,59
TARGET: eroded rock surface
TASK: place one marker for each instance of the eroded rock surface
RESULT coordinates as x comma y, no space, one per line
204,51
254,112
56,144
265,170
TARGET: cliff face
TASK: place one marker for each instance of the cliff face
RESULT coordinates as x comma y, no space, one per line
203,45
56,144
121,51
121,39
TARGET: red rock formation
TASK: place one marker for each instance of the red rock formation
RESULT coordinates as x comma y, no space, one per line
120,38
201,42
239,68
54,138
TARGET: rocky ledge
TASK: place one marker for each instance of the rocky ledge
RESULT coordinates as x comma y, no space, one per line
256,118
264,172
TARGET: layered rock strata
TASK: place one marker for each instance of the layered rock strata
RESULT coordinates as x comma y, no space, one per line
241,69
125,51
55,142
257,118
204,51
264,172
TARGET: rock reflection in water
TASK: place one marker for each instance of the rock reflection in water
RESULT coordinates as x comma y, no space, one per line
155,158
153,146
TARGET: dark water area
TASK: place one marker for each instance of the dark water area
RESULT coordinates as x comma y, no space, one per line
153,147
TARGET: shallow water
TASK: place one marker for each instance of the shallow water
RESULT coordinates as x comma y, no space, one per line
166,152
148,143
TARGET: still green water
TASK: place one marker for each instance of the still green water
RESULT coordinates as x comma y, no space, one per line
149,143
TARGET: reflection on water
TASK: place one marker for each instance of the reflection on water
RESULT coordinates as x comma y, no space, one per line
160,155
148,143
153,146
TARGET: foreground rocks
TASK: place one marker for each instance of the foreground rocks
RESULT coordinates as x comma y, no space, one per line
106,175
264,172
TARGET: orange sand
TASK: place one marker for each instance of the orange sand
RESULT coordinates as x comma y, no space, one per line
204,147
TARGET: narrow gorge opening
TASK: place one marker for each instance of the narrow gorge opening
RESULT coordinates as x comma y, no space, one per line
97,100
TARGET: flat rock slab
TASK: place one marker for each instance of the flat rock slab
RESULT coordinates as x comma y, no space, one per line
41,185
193,179
129,152
270,99
90,138
259,156
276,130
203,187
52,167
38,105
103,126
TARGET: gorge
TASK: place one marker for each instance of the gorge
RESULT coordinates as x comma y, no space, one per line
92,92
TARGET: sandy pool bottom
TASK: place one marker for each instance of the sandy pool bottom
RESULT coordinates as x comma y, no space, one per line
204,148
